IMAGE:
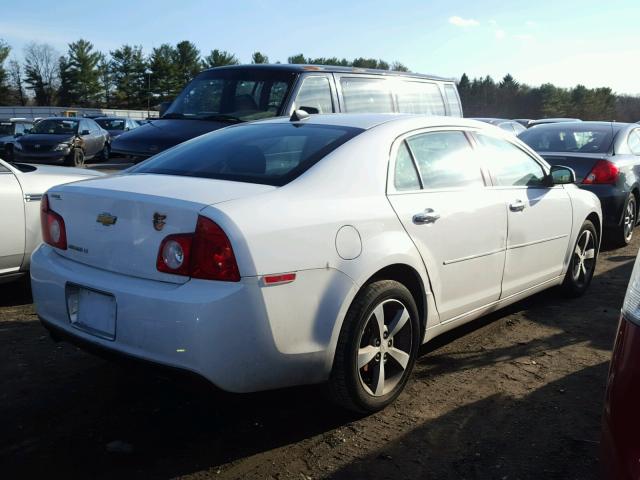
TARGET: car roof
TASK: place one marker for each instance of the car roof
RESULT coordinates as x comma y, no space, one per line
76,119
15,120
299,68
367,121
616,126
491,120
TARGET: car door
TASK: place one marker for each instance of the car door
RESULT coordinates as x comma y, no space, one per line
539,215
459,226
12,224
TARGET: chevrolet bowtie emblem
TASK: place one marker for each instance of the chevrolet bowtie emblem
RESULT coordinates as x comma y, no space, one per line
106,219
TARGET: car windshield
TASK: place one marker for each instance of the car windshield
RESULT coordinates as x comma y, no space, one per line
6,128
272,154
569,138
110,123
56,126
233,95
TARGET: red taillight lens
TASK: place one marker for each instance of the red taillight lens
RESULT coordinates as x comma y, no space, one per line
52,224
205,254
212,256
603,172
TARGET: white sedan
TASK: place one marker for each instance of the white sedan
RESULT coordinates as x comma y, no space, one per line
21,188
311,249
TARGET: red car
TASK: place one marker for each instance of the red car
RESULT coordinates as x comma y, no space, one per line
621,416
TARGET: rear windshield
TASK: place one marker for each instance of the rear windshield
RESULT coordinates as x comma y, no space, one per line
236,94
272,154
569,138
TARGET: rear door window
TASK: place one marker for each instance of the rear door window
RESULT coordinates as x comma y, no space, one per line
366,95
445,160
419,97
315,92
452,100
405,176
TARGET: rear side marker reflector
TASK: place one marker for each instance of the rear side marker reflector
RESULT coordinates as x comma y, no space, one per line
279,279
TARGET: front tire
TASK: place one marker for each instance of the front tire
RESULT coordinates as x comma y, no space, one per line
377,348
75,158
583,261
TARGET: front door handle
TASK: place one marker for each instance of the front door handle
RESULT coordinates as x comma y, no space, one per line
428,216
517,206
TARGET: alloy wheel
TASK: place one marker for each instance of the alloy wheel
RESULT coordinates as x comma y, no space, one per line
385,347
629,219
584,257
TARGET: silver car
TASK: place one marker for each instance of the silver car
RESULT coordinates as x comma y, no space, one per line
21,188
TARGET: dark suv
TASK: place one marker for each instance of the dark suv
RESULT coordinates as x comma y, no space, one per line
223,96
63,140
10,130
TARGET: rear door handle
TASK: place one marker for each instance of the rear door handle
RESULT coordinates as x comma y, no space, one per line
517,206
428,216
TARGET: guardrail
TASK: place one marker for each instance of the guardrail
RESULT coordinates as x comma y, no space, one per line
40,112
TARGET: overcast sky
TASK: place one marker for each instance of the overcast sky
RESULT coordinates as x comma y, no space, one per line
565,42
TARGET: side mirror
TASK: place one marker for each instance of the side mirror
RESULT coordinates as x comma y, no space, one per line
310,110
561,175
85,132
164,106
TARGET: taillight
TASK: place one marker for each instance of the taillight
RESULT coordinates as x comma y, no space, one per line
205,254
52,224
603,172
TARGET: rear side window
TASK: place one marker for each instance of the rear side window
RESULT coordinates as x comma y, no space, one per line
634,142
366,95
315,92
419,97
445,160
406,176
452,100
510,166
272,154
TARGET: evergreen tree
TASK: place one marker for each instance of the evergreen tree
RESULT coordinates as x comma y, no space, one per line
219,58
164,75
297,59
106,81
5,49
187,62
399,67
258,57
79,75
129,79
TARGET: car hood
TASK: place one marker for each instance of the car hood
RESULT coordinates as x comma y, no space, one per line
45,139
6,138
158,135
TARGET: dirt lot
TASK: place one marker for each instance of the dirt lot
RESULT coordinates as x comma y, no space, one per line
517,395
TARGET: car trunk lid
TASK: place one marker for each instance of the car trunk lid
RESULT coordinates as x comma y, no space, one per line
118,223
581,163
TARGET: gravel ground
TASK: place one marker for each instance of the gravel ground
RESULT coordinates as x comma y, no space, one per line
516,395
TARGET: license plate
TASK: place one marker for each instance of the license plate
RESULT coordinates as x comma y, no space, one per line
92,311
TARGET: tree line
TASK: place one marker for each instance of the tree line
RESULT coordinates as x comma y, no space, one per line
123,78
484,97
128,78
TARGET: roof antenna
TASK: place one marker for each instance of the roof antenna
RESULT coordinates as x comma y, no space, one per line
298,115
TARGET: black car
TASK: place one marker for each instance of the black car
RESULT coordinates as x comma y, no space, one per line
116,125
606,159
63,140
224,96
10,130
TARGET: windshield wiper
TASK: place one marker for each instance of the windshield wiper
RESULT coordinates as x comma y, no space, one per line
222,117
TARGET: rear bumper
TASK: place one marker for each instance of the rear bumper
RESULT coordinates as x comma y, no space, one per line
240,336
612,199
620,442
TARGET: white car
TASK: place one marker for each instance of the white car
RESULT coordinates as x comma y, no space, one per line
311,249
21,188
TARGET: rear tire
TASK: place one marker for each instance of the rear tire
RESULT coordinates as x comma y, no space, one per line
376,349
106,152
623,234
583,261
75,158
